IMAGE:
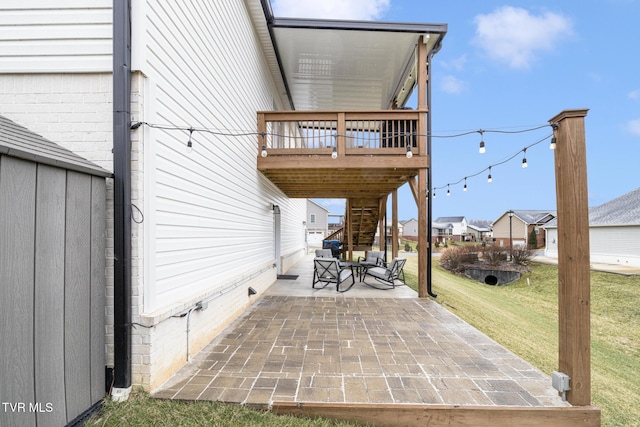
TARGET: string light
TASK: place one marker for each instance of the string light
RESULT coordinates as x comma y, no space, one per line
409,153
263,153
334,153
489,168
189,144
552,145
524,159
482,148
465,184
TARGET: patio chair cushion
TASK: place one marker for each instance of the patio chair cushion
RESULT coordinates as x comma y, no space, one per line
324,253
372,258
388,275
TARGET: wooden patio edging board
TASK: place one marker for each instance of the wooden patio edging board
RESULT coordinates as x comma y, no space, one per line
408,415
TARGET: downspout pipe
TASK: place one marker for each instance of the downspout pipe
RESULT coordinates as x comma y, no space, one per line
429,179
122,198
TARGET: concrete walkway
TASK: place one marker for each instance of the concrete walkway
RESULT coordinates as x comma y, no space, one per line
363,346
624,270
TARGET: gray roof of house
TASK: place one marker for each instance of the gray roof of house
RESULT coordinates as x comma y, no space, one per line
535,216
623,210
441,225
449,219
18,141
479,228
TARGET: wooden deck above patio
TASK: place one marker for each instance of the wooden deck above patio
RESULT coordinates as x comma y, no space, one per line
341,154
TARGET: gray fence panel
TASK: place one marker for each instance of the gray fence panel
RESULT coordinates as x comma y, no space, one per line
77,297
17,228
49,295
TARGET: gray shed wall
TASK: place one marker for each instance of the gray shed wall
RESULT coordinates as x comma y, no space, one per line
52,300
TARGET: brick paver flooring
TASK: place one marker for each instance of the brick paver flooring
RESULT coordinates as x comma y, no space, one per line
357,350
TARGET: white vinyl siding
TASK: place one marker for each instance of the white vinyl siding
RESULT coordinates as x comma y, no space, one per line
607,244
615,245
42,36
212,219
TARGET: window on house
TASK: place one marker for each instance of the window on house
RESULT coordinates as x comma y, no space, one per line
312,219
537,229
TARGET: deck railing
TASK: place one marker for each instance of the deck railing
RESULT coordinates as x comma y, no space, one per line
349,133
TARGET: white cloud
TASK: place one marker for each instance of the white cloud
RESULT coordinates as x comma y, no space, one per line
330,9
456,63
451,84
515,36
634,94
633,126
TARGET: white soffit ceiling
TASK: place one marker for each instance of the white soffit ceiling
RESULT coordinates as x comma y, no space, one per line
348,65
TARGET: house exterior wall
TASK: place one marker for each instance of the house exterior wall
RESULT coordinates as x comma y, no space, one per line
317,222
607,244
501,231
208,229
53,36
203,226
410,228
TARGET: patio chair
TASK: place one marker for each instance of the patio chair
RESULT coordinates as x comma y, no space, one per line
387,275
328,270
324,253
373,259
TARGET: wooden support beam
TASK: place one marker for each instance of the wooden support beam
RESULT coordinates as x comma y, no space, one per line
409,415
421,189
422,234
413,185
394,227
574,282
382,212
349,225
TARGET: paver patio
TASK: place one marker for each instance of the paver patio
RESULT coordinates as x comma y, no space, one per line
364,346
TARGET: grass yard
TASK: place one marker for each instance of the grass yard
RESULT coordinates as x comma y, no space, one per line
523,318
142,410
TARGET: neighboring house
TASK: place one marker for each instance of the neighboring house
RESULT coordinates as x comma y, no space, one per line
410,229
517,226
614,232
203,225
317,222
389,233
458,227
479,233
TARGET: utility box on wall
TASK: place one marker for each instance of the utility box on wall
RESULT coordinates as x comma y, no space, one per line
52,280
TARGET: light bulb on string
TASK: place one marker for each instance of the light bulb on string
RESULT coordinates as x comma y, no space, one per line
524,159
489,178
189,143
482,148
465,184
334,153
448,190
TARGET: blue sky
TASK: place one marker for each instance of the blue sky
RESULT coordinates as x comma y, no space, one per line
511,66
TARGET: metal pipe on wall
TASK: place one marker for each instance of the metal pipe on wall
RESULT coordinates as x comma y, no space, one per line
122,198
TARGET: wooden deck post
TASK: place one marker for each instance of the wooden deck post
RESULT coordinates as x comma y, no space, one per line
394,221
422,175
574,352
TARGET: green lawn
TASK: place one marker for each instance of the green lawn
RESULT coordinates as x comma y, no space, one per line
523,318
141,411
